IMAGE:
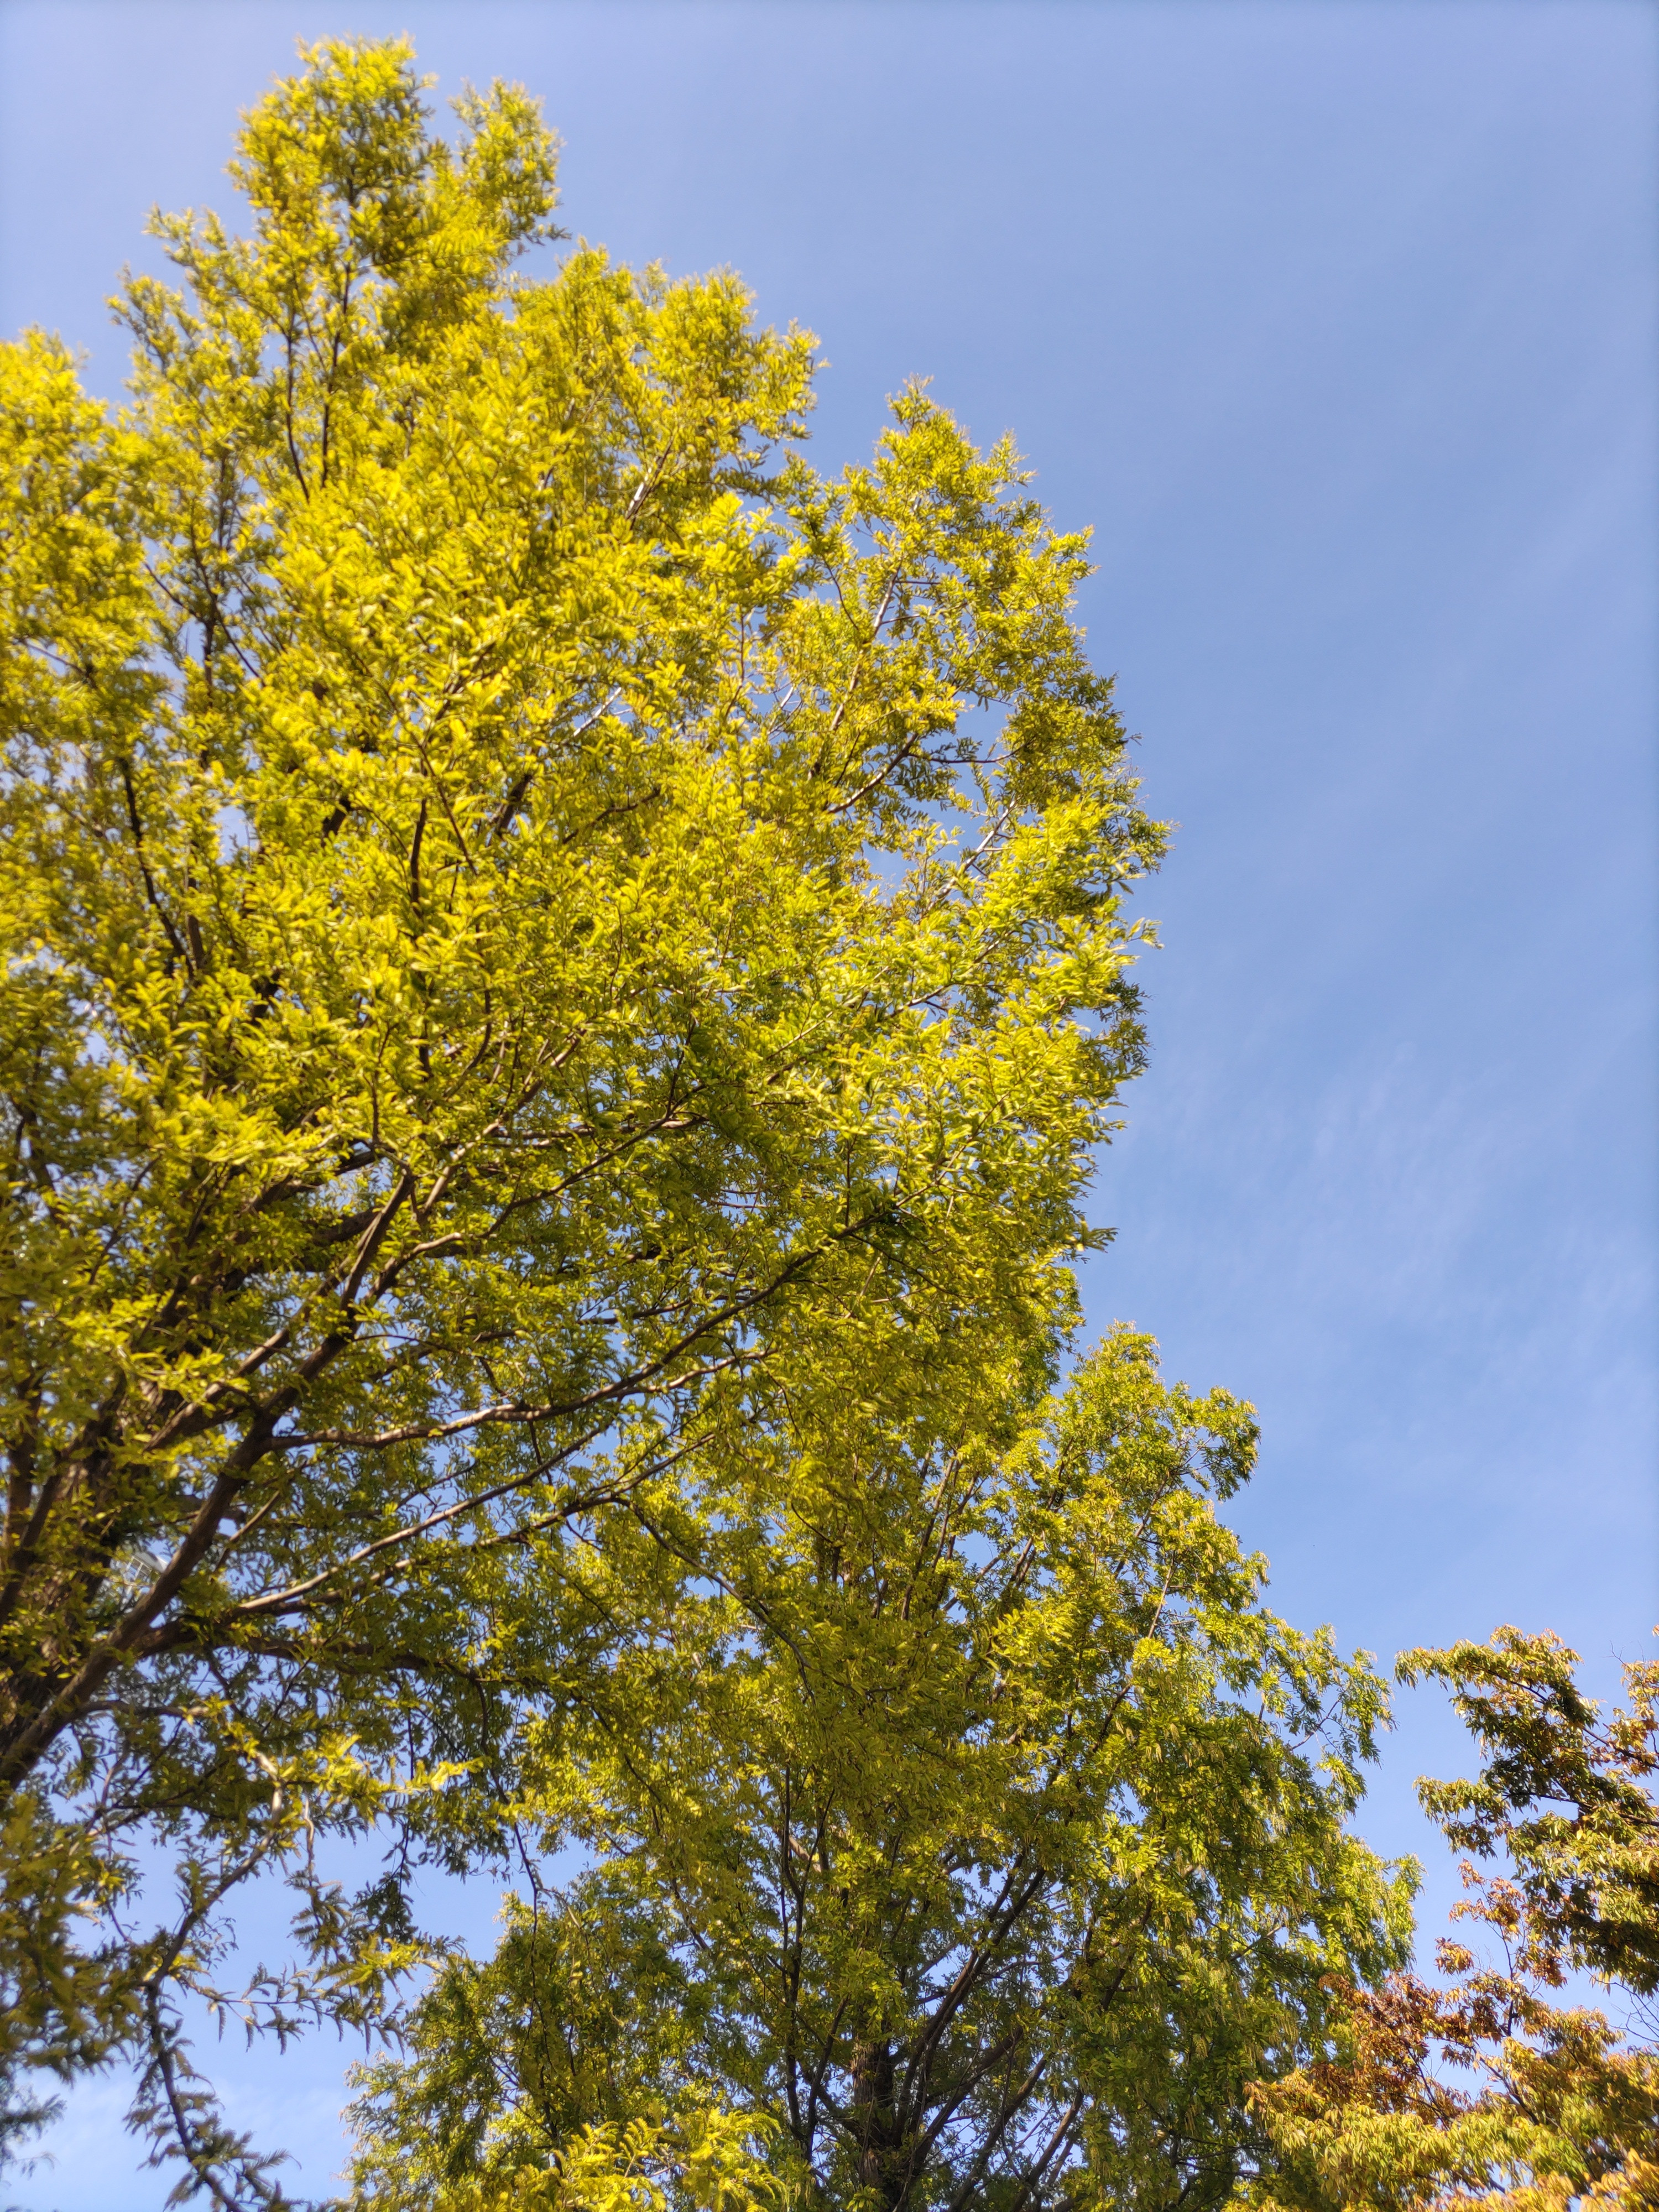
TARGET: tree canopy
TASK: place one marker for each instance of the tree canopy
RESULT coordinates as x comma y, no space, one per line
563,973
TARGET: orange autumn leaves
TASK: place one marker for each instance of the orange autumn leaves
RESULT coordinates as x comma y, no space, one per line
1487,2087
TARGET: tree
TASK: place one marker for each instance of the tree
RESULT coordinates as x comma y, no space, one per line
547,945
971,1824
1566,2107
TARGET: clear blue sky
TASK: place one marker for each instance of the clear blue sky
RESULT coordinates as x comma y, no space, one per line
1341,323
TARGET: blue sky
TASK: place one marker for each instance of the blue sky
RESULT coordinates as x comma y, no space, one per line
1340,324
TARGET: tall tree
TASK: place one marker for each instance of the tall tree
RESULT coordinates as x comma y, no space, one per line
543,939
969,1822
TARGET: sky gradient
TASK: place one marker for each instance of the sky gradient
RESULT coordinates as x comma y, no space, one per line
1340,324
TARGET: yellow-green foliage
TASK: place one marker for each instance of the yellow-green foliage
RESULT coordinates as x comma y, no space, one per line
967,1816
545,943
702,2160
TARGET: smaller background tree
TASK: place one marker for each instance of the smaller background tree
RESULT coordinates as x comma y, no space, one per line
1563,2107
